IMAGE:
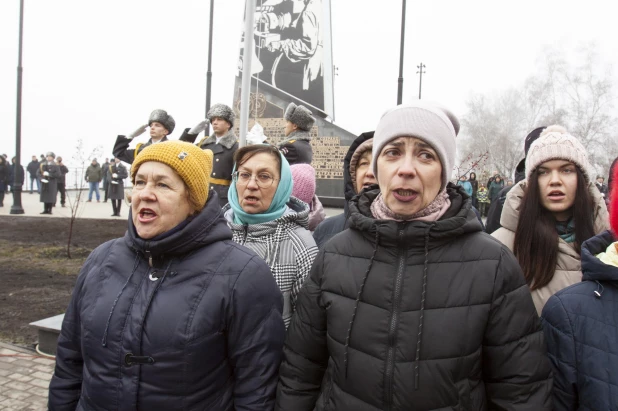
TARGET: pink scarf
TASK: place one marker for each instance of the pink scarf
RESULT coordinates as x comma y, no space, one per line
436,209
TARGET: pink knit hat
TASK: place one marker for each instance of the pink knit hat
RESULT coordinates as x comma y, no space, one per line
303,176
555,143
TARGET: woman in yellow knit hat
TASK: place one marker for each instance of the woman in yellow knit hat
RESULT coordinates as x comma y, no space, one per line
174,315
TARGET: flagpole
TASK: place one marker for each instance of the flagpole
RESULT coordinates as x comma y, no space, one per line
247,55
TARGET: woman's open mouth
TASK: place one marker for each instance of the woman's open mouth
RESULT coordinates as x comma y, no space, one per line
146,215
556,195
406,195
251,200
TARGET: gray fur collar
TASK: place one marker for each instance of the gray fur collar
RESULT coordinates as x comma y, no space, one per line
228,140
297,135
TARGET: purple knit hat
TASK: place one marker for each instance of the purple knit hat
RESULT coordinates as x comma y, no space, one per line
303,176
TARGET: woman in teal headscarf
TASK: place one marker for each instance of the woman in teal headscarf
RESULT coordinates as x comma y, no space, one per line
265,218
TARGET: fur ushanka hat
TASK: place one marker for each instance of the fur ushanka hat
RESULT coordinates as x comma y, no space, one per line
222,111
161,116
299,115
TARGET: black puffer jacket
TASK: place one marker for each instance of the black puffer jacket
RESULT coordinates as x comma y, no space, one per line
415,316
199,330
336,224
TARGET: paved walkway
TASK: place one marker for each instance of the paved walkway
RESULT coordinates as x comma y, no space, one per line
24,379
32,207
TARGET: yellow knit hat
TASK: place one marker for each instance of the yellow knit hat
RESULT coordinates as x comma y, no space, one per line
192,164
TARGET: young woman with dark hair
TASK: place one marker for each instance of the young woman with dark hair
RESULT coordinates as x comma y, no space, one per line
547,217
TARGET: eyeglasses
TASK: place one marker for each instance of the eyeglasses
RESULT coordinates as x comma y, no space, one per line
263,180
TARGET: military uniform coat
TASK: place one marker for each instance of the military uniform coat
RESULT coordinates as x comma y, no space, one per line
296,148
223,160
116,185
49,190
122,151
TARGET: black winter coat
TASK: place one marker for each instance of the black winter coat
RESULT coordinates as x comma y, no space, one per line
415,316
332,226
32,168
121,148
296,148
5,172
581,329
199,329
495,209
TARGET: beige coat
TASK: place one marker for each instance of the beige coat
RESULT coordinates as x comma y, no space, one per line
568,267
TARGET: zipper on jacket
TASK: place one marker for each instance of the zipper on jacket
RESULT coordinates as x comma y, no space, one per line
394,324
246,233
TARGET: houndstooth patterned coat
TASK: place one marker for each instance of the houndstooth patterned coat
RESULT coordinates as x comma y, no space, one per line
285,244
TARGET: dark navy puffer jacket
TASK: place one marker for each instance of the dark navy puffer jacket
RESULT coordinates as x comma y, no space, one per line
414,316
581,329
200,329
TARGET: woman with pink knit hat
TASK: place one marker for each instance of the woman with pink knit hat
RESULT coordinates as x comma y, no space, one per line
303,176
547,217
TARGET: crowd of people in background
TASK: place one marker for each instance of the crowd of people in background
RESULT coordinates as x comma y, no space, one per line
483,292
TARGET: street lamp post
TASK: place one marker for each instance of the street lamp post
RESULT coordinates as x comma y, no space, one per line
403,34
17,208
420,81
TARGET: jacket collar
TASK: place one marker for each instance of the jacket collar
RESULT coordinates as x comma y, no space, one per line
207,227
458,220
594,269
227,141
296,135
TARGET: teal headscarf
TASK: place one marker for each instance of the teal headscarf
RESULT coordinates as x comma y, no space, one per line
277,206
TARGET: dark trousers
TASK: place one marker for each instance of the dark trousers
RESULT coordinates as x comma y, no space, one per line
116,204
483,208
106,190
1,198
47,207
63,192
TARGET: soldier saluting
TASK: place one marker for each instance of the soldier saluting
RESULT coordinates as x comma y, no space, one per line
161,125
222,142
49,172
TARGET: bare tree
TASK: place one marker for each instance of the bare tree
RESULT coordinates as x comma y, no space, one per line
578,96
74,204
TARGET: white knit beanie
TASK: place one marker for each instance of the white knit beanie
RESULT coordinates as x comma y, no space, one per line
429,122
555,143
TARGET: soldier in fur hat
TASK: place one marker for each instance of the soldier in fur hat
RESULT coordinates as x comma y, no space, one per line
161,125
222,142
49,172
296,147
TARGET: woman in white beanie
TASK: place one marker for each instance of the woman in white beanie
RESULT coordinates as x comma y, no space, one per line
547,217
414,307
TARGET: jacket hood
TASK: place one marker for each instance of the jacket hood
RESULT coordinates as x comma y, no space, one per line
512,206
206,228
520,171
594,269
297,212
348,185
458,220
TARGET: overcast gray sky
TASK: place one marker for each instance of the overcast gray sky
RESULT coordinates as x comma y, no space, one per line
95,69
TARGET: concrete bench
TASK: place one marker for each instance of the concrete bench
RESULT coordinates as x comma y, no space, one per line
49,330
